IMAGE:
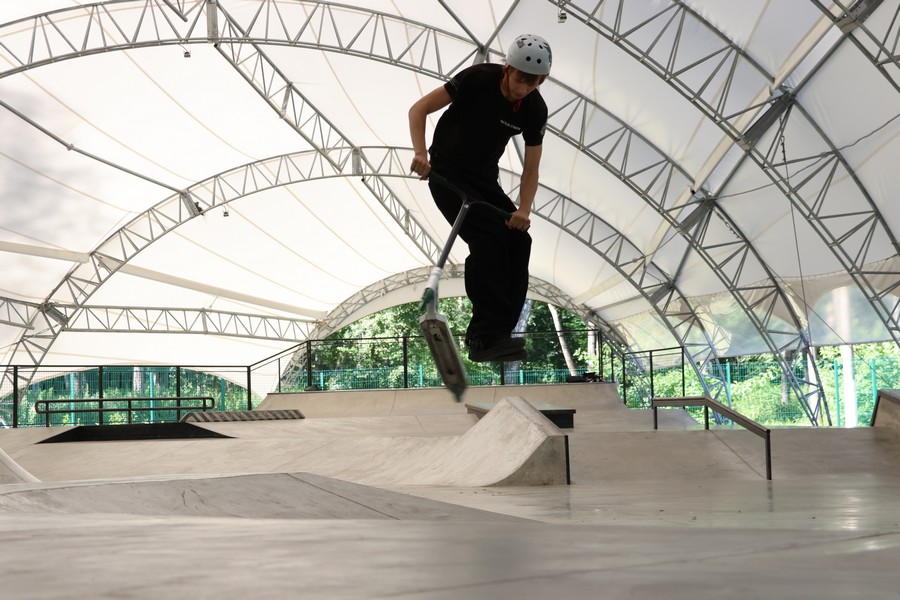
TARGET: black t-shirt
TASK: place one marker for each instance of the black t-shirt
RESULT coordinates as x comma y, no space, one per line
474,130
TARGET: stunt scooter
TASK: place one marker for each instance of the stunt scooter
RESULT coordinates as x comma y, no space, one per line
434,325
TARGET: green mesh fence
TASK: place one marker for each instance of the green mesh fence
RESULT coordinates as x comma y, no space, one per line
756,388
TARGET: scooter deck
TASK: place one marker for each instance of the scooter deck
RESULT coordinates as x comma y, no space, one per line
445,353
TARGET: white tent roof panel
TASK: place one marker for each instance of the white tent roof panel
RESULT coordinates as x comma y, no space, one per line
643,99
164,349
28,277
162,115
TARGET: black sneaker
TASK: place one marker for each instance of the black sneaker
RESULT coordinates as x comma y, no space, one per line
490,349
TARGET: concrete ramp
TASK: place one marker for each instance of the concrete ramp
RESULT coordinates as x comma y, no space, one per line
11,472
262,496
513,444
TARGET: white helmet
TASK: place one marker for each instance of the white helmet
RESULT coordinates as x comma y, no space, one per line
530,54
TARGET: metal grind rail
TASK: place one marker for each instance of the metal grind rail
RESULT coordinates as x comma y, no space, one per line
196,403
709,403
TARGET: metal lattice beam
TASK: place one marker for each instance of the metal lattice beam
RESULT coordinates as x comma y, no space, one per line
133,319
618,147
345,311
310,123
655,42
189,321
878,39
315,129
283,170
426,53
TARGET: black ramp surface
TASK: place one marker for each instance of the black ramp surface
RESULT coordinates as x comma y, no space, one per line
133,431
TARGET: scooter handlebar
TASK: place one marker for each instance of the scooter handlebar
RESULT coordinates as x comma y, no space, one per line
464,197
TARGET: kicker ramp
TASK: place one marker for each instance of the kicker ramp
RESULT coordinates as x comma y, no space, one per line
513,445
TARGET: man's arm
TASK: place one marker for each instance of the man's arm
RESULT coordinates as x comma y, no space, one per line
431,102
521,219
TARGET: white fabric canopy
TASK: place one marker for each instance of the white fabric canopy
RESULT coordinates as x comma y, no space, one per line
732,165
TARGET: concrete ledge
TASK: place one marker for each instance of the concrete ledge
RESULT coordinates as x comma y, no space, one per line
241,415
410,401
364,403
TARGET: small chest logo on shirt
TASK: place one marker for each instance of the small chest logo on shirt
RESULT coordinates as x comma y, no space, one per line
510,125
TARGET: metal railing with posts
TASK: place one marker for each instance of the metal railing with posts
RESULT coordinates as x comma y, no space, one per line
43,407
405,362
640,371
718,407
392,362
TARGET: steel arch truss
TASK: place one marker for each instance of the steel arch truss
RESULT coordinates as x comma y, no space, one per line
296,110
655,42
878,39
345,311
310,165
189,321
430,51
427,53
708,230
131,319
94,28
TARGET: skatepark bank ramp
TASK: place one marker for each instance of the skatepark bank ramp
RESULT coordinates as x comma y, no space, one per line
513,445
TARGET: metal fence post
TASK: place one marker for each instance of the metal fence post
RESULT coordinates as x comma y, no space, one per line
405,361
598,336
15,396
249,391
309,380
99,396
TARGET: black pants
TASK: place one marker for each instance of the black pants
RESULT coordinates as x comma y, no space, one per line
497,265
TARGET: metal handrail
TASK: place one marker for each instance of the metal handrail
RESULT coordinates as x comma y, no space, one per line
206,403
707,403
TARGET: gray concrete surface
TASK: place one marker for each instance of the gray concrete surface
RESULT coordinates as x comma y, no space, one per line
675,513
516,445
12,472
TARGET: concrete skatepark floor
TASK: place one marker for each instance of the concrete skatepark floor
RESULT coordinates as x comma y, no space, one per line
674,513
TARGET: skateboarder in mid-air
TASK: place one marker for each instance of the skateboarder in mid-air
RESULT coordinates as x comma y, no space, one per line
488,104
